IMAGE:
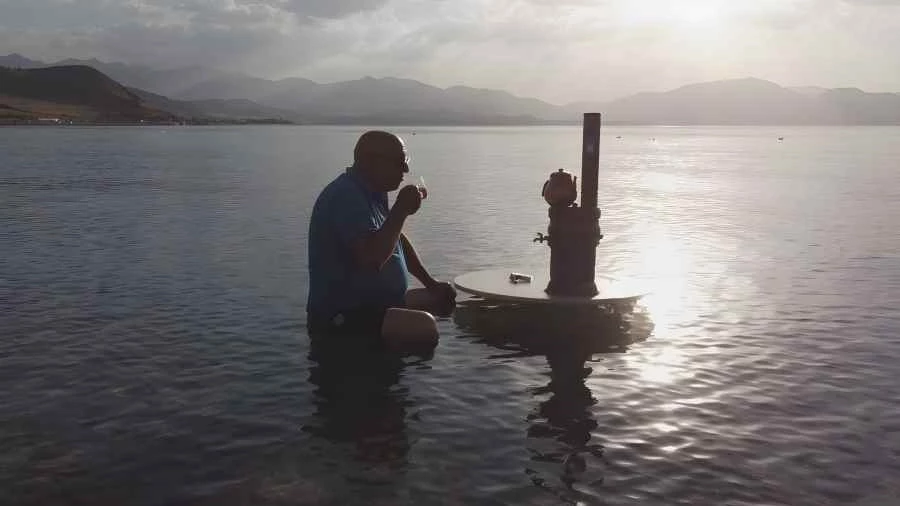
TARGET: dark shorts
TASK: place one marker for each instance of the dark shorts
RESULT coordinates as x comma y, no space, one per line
361,326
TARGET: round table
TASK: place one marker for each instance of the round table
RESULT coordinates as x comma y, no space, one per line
495,284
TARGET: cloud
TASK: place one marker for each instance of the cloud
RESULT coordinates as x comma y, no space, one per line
875,3
328,8
158,32
560,50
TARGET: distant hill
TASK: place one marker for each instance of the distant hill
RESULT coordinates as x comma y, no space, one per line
392,101
737,101
363,101
751,101
233,110
384,100
168,82
83,94
16,60
175,83
388,100
852,106
809,90
70,93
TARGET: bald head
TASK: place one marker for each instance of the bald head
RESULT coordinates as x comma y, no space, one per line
374,144
380,157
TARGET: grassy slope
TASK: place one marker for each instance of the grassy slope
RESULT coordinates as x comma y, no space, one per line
70,92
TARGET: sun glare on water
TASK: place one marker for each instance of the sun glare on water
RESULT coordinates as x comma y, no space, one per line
669,265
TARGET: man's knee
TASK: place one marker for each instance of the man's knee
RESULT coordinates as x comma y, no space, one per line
409,327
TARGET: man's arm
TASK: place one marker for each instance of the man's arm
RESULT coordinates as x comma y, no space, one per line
374,249
442,295
414,264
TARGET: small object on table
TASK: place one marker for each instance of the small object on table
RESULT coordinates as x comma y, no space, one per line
515,277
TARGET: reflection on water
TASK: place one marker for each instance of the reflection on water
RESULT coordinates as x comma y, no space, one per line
660,367
665,261
358,400
537,329
563,459
153,350
565,421
357,444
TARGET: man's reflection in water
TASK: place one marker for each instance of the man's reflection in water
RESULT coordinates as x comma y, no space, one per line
355,438
560,427
359,401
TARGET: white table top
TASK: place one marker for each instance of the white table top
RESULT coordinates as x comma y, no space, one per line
495,284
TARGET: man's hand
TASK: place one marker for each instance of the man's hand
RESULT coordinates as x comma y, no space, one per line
408,201
444,296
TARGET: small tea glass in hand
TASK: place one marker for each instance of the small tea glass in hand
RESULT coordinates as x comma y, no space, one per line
422,189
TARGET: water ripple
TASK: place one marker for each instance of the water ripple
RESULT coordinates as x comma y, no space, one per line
152,290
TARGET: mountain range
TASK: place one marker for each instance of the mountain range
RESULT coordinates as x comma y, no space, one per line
202,91
66,93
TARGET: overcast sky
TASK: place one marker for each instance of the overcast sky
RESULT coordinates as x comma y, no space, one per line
556,50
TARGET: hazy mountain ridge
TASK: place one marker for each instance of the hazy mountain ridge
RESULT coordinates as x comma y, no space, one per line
73,92
384,100
738,101
752,101
214,109
746,101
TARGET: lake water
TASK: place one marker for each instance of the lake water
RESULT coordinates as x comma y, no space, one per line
153,350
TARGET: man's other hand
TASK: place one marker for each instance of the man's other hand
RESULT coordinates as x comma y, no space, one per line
444,296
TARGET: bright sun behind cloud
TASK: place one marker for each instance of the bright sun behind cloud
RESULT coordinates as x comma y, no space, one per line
699,14
682,14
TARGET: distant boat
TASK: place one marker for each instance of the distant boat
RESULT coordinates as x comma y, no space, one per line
780,139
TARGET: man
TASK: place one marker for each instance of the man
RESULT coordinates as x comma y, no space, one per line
359,258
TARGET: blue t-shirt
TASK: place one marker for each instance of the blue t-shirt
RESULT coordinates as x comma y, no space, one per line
345,211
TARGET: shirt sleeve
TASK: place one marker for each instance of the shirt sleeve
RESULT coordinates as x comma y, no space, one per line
352,217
